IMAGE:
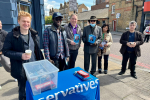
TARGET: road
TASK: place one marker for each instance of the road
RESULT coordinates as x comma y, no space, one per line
142,61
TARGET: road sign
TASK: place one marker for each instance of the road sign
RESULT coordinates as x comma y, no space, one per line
73,5
118,15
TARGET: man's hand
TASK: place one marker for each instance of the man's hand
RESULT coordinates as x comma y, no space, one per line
94,44
25,56
106,45
134,44
73,43
51,61
1,53
129,44
67,59
100,45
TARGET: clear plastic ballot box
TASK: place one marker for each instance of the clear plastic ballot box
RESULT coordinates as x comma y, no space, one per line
42,75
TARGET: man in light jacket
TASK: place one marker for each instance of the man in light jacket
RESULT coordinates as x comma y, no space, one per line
91,49
72,29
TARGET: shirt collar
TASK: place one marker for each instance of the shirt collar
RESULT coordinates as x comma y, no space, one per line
72,26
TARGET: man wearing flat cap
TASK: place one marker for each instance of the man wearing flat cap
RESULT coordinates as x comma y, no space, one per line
91,48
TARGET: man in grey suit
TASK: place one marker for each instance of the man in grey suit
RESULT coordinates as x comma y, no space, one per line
91,49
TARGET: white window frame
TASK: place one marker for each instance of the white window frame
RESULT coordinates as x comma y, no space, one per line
113,9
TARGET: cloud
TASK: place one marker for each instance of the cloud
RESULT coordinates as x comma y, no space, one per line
48,4
89,8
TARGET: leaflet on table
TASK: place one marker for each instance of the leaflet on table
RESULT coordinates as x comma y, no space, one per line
92,38
82,76
76,38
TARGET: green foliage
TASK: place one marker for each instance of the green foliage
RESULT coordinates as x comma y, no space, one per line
48,19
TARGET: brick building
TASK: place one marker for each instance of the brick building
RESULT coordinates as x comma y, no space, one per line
100,4
101,15
51,11
129,10
64,10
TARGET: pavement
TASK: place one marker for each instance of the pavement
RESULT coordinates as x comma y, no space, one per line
112,85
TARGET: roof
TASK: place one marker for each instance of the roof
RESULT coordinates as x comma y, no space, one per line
100,13
56,10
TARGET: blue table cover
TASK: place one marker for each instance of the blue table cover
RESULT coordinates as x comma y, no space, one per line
69,87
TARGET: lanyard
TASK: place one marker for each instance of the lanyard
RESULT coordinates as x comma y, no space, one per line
103,36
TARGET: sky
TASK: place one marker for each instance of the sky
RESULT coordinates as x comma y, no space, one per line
56,4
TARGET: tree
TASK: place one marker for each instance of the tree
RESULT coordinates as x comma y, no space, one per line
48,19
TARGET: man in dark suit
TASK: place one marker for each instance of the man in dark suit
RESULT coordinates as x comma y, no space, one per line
131,41
89,48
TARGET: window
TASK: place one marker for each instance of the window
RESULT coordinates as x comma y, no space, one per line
102,1
103,21
97,22
147,19
113,9
23,8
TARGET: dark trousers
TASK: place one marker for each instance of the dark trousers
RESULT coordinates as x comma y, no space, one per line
146,38
105,62
59,63
72,58
87,62
22,87
133,59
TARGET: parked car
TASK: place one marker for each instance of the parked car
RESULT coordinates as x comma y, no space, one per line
47,26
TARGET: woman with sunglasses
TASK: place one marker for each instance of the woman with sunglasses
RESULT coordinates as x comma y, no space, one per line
104,48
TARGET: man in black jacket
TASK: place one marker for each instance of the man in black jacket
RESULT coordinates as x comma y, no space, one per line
55,43
131,41
22,38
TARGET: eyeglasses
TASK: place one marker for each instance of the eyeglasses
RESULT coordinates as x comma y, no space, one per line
93,20
58,19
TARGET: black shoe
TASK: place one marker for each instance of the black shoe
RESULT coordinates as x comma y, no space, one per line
120,73
93,74
105,72
134,76
100,71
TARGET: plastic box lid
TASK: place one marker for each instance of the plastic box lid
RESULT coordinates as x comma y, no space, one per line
39,68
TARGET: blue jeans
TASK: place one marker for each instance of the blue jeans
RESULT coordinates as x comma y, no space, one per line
105,62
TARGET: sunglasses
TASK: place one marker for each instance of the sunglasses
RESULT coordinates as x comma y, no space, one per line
58,19
93,20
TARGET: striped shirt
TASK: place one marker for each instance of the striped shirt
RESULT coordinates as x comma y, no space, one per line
60,46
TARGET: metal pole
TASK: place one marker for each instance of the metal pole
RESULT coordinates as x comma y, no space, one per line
117,25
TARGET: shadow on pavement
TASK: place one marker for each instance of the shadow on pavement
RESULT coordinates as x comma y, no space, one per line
11,92
107,79
8,81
